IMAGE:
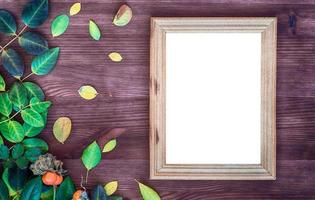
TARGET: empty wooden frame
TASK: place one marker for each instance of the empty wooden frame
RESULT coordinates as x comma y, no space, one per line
212,98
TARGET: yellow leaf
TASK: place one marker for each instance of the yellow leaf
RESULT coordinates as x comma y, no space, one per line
109,146
111,187
116,57
75,9
87,92
62,129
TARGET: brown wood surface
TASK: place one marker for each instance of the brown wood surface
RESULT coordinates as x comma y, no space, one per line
83,61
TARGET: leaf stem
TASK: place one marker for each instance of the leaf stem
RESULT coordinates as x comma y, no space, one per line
54,192
15,114
87,176
13,39
27,77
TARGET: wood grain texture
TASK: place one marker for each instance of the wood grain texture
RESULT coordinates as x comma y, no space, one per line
83,61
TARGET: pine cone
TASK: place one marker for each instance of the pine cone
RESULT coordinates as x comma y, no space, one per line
47,162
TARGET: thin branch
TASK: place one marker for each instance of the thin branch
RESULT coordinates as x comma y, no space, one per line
15,114
27,77
13,39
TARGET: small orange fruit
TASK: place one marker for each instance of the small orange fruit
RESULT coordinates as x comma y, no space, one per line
77,195
49,178
59,180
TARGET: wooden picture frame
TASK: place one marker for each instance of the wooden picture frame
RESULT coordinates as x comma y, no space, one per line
159,169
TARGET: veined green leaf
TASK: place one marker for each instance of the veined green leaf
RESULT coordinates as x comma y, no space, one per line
4,193
91,156
45,62
31,131
13,63
16,132
17,178
59,25
22,162
39,106
47,193
35,13
7,22
1,140
32,189
94,30
5,104
123,16
75,8
32,154
17,151
35,143
62,129
32,117
109,146
111,187
2,84
148,193
18,95
4,126
33,90
65,190
98,193
33,43
5,178
4,152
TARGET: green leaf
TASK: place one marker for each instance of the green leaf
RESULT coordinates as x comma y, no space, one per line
1,140
39,106
47,193
94,30
32,189
4,125
33,43
148,193
62,129
16,132
7,22
98,193
45,62
123,16
18,95
5,104
17,177
2,84
91,156
33,90
111,187
114,198
4,152
22,162
5,178
31,131
35,13
4,193
109,146
13,63
17,151
32,154
65,190
32,117
35,143
59,25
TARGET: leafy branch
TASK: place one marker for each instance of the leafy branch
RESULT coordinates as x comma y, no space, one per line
16,36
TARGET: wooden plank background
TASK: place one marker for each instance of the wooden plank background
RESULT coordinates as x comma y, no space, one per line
83,61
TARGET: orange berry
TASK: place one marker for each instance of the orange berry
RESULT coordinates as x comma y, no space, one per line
59,180
49,178
77,195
